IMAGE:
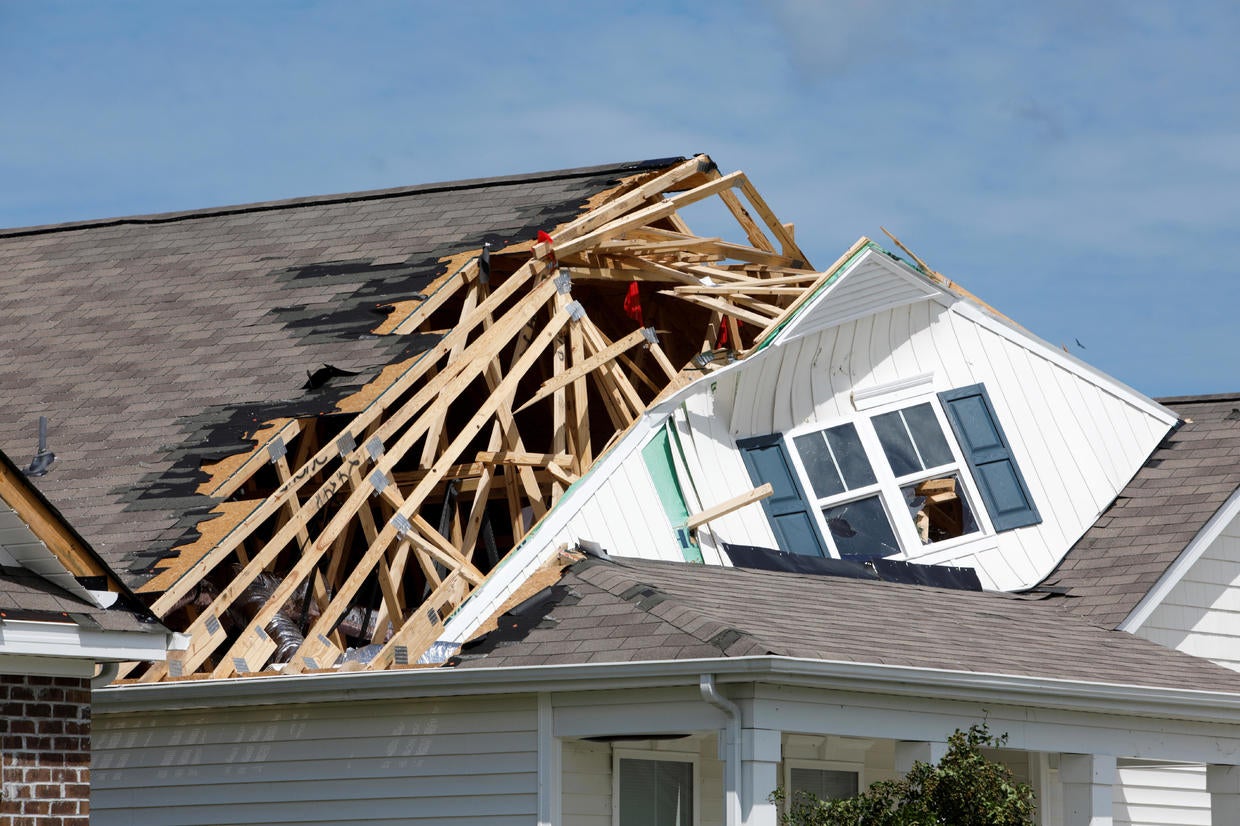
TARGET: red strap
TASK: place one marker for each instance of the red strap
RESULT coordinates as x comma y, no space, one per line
633,303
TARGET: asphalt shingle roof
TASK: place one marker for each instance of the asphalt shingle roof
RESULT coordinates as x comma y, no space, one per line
155,343
632,609
1187,478
27,595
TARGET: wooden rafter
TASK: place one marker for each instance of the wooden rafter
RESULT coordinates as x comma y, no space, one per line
484,431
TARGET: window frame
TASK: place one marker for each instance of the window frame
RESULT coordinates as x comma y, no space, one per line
790,763
887,486
618,754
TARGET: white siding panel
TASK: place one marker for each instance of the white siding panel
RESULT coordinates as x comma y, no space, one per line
449,761
1152,795
1200,615
586,784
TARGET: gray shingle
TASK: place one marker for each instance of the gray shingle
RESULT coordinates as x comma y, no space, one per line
1187,478
125,333
760,612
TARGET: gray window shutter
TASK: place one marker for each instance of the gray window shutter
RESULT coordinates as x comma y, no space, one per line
986,449
787,509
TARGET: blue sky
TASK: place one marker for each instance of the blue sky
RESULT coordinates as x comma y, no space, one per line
1075,164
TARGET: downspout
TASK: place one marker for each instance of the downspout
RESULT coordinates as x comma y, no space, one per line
107,673
732,763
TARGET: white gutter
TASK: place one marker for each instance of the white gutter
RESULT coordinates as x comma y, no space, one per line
732,762
1043,692
68,639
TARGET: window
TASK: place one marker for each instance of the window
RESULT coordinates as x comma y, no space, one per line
654,789
900,480
826,781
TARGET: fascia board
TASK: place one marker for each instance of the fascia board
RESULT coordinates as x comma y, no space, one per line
1192,552
937,684
1023,338
55,639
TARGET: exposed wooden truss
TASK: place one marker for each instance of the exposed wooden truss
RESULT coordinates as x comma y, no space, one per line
342,532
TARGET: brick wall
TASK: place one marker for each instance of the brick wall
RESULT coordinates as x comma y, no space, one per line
44,751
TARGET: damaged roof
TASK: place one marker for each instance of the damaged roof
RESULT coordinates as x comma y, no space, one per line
626,610
1191,474
156,343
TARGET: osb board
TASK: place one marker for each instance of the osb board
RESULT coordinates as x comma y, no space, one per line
546,576
210,531
219,472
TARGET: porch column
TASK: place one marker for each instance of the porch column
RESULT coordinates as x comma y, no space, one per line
1223,784
909,752
760,754
1088,785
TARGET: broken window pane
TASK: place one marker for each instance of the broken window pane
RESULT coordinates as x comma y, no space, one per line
939,509
834,460
861,528
912,439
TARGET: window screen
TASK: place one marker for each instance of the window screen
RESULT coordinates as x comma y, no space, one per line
824,784
655,792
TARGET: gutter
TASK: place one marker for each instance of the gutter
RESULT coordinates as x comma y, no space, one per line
927,683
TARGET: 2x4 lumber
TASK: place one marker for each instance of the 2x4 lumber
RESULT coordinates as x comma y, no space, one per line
441,295
811,290
258,457
726,309
599,343
422,628
435,428
59,538
441,386
781,232
739,289
522,457
349,588
607,354
752,231
328,453
632,200
729,506
647,215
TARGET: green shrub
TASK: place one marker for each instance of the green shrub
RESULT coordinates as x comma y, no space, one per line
963,789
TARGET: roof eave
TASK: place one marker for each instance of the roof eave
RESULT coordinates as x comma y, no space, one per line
939,684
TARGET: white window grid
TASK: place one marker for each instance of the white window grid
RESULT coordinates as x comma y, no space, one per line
887,485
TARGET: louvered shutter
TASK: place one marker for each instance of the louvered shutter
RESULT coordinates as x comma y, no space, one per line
787,509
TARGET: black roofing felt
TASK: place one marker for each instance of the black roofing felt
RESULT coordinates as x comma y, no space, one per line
1187,478
153,343
631,609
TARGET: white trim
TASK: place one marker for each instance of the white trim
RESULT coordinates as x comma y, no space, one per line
1023,338
68,639
618,754
550,771
865,398
1192,552
46,666
800,325
934,683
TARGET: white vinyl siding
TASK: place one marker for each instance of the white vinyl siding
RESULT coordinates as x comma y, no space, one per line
468,762
1161,795
1201,613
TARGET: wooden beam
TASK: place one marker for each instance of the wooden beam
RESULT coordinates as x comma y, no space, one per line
726,507
607,354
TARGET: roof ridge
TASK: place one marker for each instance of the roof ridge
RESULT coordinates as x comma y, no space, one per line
627,167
